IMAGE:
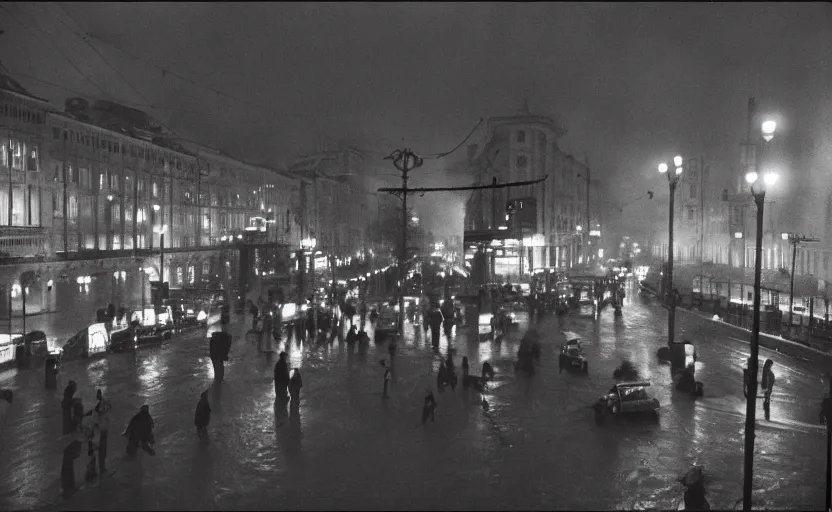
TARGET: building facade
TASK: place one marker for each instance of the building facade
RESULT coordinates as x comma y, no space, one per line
98,201
515,231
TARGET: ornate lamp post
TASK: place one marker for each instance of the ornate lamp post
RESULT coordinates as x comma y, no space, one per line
758,191
673,180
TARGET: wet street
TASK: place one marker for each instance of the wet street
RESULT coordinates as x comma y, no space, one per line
350,449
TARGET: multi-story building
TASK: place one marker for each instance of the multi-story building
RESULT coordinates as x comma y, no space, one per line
514,231
95,192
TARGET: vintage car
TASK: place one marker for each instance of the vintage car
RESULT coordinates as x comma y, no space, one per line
626,398
571,354
387,323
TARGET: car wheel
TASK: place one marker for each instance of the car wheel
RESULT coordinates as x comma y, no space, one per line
615,408
656,416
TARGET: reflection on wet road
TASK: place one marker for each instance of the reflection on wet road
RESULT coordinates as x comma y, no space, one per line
347,448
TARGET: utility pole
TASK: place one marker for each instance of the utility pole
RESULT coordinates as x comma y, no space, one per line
795,240
588,228
405,161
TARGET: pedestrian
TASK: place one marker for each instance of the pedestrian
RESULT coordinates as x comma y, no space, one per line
140,432
429,408
102,424
71,452
219,348
77,413
202,416
352,336
441,377
465,371
436,320
66,406
295,383
767,385
91,473
387,377
281,377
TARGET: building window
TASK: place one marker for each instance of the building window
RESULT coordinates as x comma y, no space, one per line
84,177
18,150
693,191
102,179
521,136
690,213
154,189
521,160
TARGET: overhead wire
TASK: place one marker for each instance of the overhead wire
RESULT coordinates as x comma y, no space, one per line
28,29
434,156
103,58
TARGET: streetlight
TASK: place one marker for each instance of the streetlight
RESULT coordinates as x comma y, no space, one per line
673,180
758,191
161,231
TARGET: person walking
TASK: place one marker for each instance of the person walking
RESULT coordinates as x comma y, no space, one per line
101,413
295,383
387,377
202,416
140,432
436,320
219,348
281,377
429,408
767,384
66,406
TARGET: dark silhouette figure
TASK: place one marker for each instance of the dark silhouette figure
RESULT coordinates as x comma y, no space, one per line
140,432
219,348
281,377
429,408
66,406
436,320
71,452
767,384
295,383
202,416
387,377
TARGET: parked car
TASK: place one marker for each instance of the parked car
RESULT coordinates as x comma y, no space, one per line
387,324
571,354
624,399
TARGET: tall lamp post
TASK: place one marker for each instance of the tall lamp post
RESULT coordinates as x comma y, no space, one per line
673,180
758,191
161,231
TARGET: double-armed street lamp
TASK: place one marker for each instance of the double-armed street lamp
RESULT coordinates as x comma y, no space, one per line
673,180
758,191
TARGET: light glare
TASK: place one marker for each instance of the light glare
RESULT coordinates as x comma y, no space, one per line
751,177
662,167
770,178
678,161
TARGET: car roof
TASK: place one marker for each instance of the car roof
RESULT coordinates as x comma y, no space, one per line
571,336
632,384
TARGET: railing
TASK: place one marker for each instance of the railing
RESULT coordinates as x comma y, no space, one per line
23,242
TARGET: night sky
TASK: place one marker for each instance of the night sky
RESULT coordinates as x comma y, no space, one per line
632,83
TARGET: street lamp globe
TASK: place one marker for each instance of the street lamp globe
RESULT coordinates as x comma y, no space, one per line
677,160
768,129
784,236
662,167
751,177
770,178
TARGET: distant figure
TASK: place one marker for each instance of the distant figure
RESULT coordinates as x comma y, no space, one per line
429,408
387,377
767,384
202,416
66,406
281,377
295,383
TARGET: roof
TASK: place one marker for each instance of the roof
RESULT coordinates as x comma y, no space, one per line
632,384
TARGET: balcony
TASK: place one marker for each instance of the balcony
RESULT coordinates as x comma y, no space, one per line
22,244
